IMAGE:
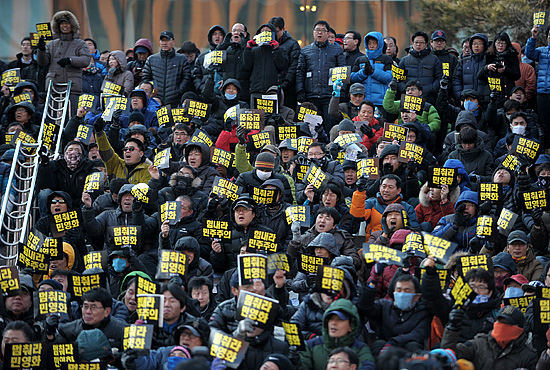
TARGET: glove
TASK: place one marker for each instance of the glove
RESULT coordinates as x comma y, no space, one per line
333,151
310,280
43,153
524,181
494,96
251,43
245,326
99,124
455,319
387,168
379,268
295,228
385,348
228,124
226,41
52,322
385,229
337,88
407,256
301,96
41,44
128,253
410,169
362,184
111,72
117,113
218,364
241,135
213,202
474,246
274,44
485,208
128,359
278,119
367,69
537,216
444,83
64,62
474,177
367,130
393,85
460,218
137,206
319,128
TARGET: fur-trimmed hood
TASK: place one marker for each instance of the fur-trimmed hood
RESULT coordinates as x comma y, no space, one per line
67,15
426,202
197,182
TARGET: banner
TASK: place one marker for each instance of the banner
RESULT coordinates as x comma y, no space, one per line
309,264
138,337
383,254
443,275
51,302
264,38
251,267
216,229
298,213
262,241
227,348
170,211
21,98
226,189
438,176
258,308
394,132
541,310
196,109
171,263
330,280
150,308
177,116
540,19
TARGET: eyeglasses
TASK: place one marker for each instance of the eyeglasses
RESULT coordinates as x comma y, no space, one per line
419,42
93,307
242,210
348,38
129,149
188,334
337,361
479,288
316,154
500,43
319,31
477,43
60,201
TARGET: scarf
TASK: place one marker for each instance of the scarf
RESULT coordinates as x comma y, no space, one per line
73,159
505,333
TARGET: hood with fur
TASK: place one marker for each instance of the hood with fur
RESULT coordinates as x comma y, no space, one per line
197,182
64,14
454,193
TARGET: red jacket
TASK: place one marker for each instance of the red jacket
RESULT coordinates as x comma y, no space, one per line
376,128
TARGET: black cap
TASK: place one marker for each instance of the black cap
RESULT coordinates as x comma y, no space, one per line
167,34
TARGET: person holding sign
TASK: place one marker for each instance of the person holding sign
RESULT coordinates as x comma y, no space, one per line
341,324
438,44
23,114
435,203
16,332
371,129
505,347
197,155
66,55
118,72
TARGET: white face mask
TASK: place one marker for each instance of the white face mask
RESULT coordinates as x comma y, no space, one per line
519,129
262,175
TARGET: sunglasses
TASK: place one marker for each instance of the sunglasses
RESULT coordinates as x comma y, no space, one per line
129,149
60,201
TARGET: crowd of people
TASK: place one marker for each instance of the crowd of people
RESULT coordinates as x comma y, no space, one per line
484,115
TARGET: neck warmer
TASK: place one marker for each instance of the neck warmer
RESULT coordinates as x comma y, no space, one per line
505,333
72,159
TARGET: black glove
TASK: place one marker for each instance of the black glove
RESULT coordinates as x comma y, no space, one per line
213,202
334,150
301,96
537,216
393,84
278,119
455,319
99,124
310,280
117,113
367,130
367,69
494,96
410,169
226,40
241,135
128,359
41,44
362,183
319,128
385,228
379,268
137,206
474,245
64,62
228,124
474,177
444,83
524,181
52,322
460,218
485,208
43,153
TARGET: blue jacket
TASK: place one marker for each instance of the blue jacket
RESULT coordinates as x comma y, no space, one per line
541,55
455,163
312,73
156,360
466,76
377,83
425,67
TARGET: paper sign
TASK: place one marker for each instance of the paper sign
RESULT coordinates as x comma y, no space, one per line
470,262
506,221
51,302
216,229
400,74
277,261
108,87
264,37
293,335
37,261
53,247
178,116
446,69
443,278
49,135
11,77
84,134
437,247
486,227
141,192
200,136
113,104
346,139
124,236
298,213
410,151
527,147
462,293
267,105
88,102
82,283
226,189
96,259
510,162
194,108
264,196
171,263
63,354
303,143
23,137
257,308
24,356
302,111
222,157
250,119
262,241
316,177
34,39
251,267
394,132
144,286
164,116
21,98
490,192
330,280
162,159
286,132
438,176
534,199
368,167
94,182
412,103
543,292
496,84
519,302
414,244
231,113
227,348
9,279
383,254
150,308
44,30
540,19
257,141
82,366
309,264
138,337
215,58
170,211
340,73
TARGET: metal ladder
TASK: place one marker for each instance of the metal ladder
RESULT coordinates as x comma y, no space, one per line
18,204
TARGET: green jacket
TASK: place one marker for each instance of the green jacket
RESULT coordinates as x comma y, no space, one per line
117,167
317,349
429,117
243,165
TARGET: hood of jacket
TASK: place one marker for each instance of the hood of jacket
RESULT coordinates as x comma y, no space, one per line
234,82
26,84
120,58
394,207
346,306
205,150
481,36
277,183
146,43
126,188
326,241
271,27
454,193
211,31
286,36
196,183
455,163
373,54
512,175
63,195
467,196
64,14
188,243
465,117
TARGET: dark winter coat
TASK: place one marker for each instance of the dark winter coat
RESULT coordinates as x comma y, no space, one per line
291,49
248,180
112,327
467,72
310,315
426,68
232,67
199,266
206,171
199,72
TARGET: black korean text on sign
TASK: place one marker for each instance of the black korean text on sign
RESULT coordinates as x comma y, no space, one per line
394,132
347,139
446,68
400,74
216,229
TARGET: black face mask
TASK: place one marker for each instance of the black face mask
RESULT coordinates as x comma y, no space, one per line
544,182
320,162
183,185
